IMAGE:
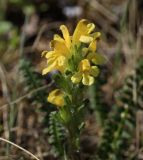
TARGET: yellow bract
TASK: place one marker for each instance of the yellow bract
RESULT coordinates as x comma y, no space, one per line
86,73
56,97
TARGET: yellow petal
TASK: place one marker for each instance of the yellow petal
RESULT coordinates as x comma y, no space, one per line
76,78
56,97
45,71
84,65
94,71
86,39
91,27
58,38
66,35
87,80
96,35
50,54
49,68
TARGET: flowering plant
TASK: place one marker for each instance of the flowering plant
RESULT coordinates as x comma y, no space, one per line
76,60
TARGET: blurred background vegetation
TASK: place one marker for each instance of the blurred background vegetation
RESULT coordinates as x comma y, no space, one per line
114,129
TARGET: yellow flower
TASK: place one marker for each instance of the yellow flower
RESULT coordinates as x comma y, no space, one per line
56,97
82,32
57,59
86,73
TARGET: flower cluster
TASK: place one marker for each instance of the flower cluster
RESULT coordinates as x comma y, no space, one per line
75,55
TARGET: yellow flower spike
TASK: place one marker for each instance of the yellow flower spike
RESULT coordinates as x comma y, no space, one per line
56,97
86,73
66,35
58,58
